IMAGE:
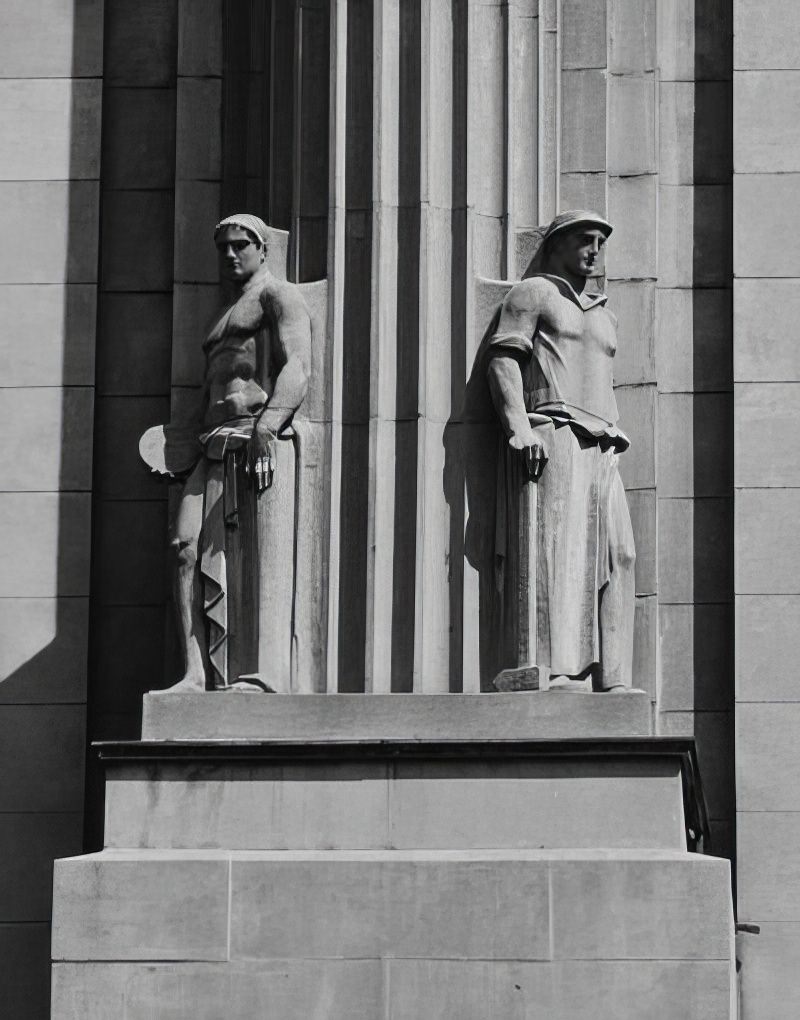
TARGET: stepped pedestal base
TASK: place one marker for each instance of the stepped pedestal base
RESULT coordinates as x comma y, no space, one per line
393,874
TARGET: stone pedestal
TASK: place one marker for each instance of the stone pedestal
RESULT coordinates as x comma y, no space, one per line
354,863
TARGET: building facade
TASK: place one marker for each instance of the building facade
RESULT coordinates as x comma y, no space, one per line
407,146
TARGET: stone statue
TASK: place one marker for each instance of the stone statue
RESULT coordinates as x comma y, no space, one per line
233,535
558,551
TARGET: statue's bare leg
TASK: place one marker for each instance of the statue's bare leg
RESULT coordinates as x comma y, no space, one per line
188,587
618,600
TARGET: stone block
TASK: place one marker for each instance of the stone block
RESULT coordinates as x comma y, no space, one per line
63,212
676,132
68,39
675,724
766,417
583,122
769,986
25,975
765,315
59,118
392,716
48,438
583,190
676,236
487,245
129,654
637,411
200,37
583,40
767,547
632,209
141,905
632,124
694,542
131,544
766,36
675,35
631,36
693,340
142,43
714,733
642,505
713,239
485,127
448,806
765,208
645,645
194,305
198,154
696,657
43,757
767,767
139,138
121,472
29,842
564,990
62,318
289,989
767,644
357,907
663,908
196,258
137,240
135,347
713,132
633,303
768,865
767,134
694,454
43,650
47,544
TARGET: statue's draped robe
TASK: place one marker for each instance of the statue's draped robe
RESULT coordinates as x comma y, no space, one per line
565,350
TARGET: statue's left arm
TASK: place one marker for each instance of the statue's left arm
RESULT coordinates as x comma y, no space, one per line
291,337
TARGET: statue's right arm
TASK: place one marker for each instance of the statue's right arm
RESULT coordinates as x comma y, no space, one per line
511,346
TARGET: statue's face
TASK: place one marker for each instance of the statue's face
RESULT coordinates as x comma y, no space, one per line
239,255
578,251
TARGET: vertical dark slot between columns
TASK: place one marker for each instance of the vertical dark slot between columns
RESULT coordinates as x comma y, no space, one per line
354,499
712,424
408,339
458,334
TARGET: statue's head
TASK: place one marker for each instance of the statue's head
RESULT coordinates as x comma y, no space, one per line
241,242
572,243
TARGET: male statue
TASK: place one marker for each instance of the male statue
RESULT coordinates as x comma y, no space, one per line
547,359
240,463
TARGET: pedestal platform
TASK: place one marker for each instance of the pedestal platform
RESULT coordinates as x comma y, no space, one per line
370,865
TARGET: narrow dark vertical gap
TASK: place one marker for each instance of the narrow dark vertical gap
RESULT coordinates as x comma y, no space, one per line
712,418
454,473
280,112
354,499
408,339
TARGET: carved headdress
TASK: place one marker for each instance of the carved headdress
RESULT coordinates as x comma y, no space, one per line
564,221
246,221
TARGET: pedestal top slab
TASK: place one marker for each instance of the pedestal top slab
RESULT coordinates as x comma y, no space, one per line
348,717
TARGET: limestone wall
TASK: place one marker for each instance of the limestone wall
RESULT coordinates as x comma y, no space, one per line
767,479
50,100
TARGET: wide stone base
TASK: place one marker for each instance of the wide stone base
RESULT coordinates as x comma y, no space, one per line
392,935
399,858
522,716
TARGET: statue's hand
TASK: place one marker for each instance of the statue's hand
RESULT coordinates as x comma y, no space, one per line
533,444
261,457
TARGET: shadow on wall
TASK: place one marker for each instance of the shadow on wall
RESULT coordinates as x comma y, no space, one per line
712,418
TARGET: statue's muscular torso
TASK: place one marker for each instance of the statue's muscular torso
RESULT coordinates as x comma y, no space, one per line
240,361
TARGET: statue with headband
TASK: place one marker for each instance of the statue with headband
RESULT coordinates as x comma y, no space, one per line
551,532
234,529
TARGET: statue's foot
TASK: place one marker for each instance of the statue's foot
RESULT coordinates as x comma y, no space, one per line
192,683
568,683
523,678
248,683
622,689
